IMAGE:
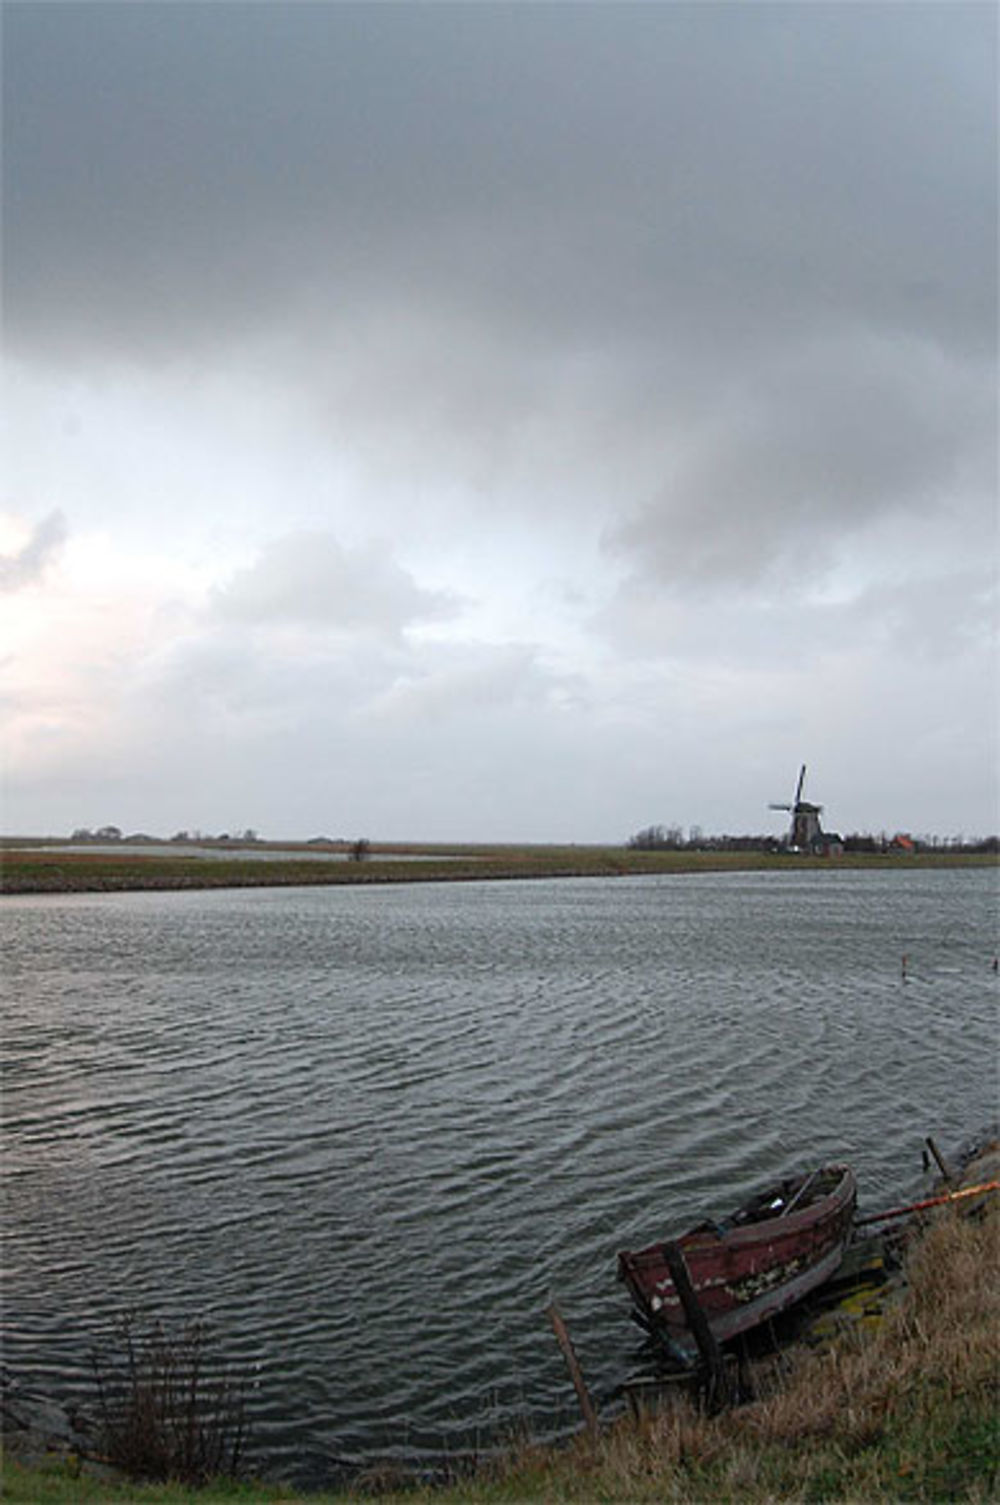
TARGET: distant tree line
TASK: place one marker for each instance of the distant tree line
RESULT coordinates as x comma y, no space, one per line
672,839
971,845
115,833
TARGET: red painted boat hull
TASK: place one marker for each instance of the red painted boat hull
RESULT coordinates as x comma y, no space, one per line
787,1241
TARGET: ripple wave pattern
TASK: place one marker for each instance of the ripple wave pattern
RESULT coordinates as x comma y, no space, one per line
369,1134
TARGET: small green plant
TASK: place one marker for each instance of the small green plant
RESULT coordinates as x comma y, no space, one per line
165,1409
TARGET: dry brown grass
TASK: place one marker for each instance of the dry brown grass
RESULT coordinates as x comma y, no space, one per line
906,1410
54,869
935,1350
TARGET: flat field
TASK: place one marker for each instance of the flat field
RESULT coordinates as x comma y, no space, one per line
54,867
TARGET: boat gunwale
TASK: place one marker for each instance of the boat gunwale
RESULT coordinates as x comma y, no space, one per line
705,1239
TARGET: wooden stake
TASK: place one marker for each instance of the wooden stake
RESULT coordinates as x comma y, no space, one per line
716,1380
572,1364
942,1167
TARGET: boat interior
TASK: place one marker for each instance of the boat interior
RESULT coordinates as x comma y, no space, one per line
790,1195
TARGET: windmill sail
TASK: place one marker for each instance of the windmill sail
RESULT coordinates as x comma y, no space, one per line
805,833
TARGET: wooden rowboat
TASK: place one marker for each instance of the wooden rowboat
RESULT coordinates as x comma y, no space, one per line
766,1256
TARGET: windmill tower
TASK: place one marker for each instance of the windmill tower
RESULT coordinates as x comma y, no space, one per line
806,834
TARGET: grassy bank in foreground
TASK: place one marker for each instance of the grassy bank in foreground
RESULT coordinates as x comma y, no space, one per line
906,1410
53,869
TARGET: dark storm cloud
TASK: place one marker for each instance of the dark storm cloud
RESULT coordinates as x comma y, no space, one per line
730,270
810,451
689,174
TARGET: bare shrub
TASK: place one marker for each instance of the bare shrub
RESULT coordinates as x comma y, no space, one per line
165,1409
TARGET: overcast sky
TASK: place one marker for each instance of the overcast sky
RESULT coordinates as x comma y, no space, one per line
499,422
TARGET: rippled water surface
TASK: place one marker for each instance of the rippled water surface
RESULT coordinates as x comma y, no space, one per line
370,1132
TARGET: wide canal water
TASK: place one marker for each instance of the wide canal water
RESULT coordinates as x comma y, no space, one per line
369,1133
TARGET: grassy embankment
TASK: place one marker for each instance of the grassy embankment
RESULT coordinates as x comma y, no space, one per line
53,869
905,1409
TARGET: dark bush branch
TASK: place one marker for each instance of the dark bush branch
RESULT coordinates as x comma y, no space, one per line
164,1411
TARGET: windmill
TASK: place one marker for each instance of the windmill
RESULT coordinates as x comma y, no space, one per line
805,834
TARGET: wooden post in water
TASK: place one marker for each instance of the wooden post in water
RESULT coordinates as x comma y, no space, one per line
716,1380
572,1364
946,1175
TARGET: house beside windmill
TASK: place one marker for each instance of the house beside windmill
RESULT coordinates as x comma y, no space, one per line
806,833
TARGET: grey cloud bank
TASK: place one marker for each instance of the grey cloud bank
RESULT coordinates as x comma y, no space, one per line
311,578
621,378
839,158
26,565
